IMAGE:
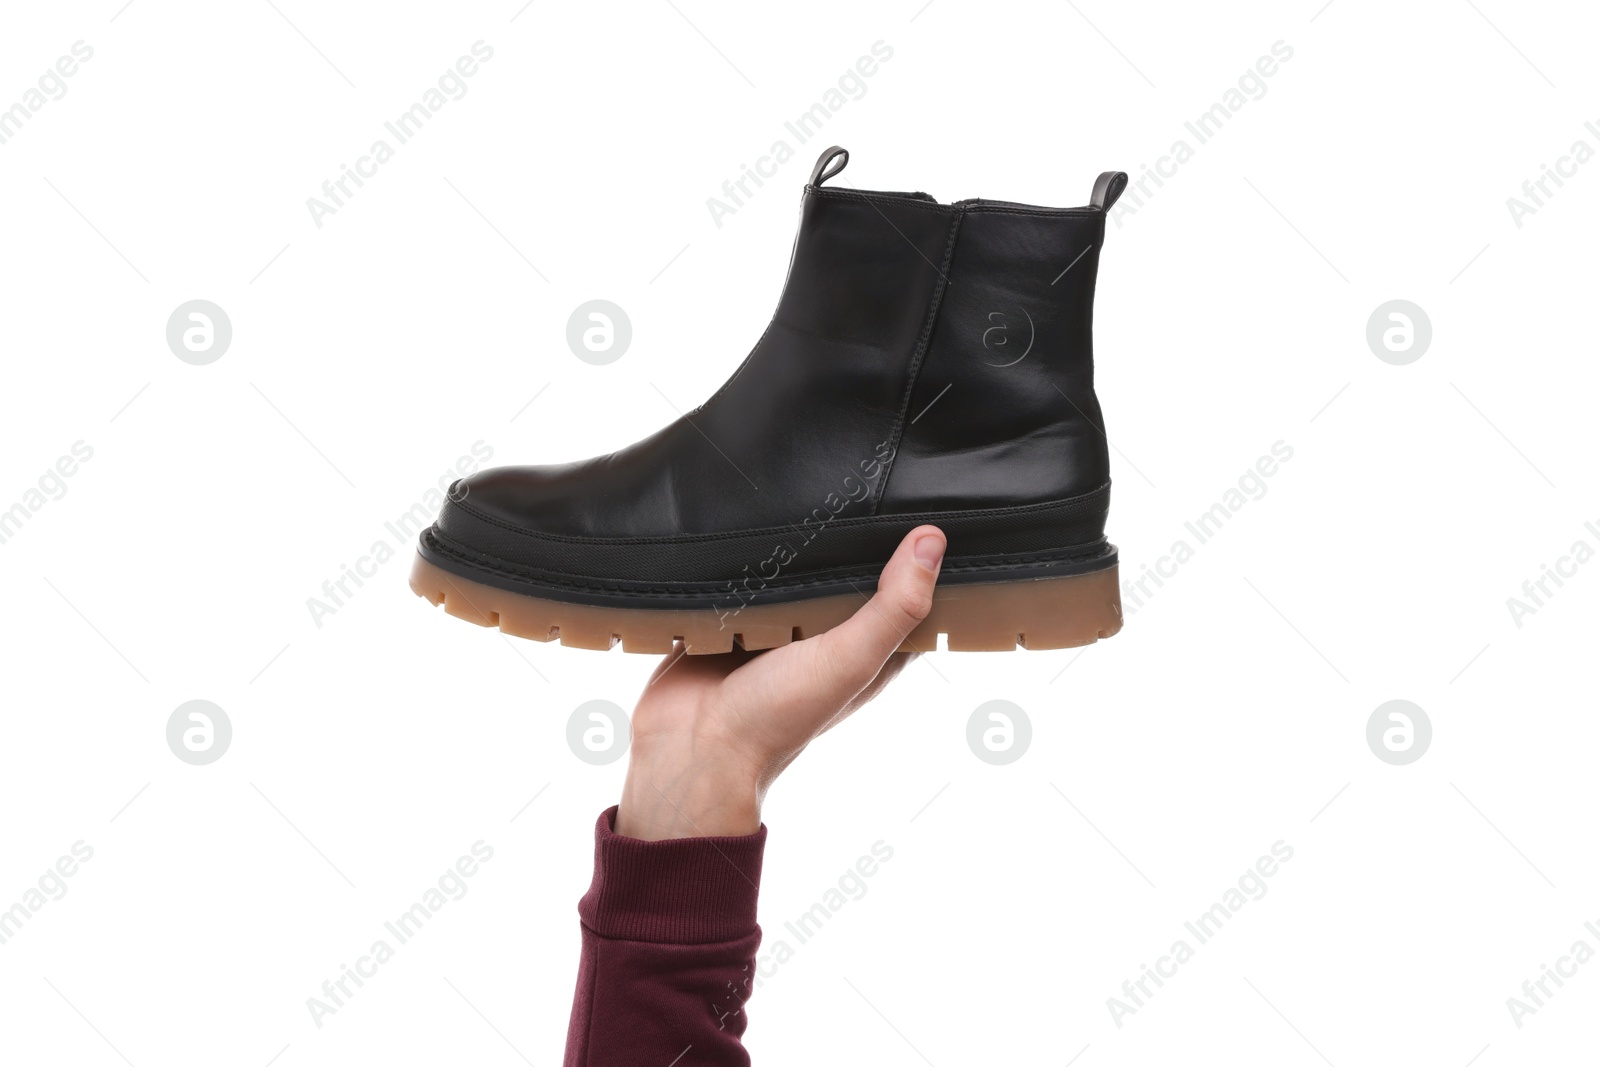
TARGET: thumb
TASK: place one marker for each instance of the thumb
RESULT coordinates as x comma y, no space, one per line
852,653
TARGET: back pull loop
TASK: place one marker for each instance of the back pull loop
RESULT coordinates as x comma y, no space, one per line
823,170
1107,188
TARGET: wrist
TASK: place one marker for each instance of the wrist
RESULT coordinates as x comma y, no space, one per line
662,801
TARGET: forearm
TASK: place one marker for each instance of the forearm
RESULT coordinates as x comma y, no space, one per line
669,944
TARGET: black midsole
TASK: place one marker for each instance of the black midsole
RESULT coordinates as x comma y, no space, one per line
754,587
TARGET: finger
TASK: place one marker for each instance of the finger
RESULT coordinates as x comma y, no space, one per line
718,665
897,662
669,661
850,656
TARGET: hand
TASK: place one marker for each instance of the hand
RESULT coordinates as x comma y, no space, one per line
712,733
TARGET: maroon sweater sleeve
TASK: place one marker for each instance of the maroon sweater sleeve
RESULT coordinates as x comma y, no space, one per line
669,945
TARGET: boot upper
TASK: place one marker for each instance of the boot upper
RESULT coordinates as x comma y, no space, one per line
924,358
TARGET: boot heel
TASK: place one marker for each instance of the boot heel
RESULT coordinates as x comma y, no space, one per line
1044,613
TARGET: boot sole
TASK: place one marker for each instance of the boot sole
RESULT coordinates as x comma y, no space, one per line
1039,613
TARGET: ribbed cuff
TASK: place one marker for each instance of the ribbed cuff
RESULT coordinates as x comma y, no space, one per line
692,890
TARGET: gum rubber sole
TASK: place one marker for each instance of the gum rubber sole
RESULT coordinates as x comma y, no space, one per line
1039,613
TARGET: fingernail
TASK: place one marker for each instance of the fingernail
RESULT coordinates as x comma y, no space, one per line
929,550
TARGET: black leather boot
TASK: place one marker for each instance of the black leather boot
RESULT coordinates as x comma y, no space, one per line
927,363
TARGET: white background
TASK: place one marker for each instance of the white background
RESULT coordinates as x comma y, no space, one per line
371,353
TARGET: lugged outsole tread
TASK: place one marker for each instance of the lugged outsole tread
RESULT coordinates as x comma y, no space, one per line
1035,614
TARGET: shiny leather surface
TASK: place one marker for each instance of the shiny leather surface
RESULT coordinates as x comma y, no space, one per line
817,396
1004,403
924,358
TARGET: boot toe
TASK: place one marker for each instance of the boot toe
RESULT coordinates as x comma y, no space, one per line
532,498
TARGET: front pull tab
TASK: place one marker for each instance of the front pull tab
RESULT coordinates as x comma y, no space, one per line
824,169
1107,188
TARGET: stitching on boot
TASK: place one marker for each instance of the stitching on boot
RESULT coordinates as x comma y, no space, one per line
700,588
959,206
869,198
